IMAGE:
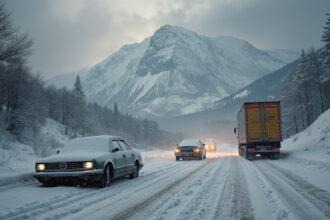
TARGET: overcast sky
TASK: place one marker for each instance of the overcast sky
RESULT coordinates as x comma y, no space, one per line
71,34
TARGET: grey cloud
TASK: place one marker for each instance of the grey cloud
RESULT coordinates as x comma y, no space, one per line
69,35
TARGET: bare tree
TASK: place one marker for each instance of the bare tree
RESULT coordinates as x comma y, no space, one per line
14,46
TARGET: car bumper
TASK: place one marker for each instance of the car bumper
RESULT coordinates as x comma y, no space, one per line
187,154
85,174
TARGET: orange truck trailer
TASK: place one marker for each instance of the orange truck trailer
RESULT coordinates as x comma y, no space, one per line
258,129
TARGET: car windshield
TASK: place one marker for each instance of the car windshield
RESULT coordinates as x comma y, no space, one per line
189,142
87,144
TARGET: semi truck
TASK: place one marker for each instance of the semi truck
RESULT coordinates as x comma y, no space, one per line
259,129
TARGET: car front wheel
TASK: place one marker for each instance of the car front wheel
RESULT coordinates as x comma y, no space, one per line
106,178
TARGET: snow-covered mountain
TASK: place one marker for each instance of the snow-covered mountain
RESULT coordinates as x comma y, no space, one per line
177,71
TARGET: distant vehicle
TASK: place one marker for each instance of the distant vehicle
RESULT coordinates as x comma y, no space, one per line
210,145
259,129
96,159
189,149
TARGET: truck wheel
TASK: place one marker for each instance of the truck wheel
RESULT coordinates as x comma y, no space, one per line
106,177
200,157
177,158
251,156
275,156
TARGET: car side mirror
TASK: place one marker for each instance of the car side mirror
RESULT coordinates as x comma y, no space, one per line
116,149
235,130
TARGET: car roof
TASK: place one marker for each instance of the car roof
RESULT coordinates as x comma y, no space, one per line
100,137
190,142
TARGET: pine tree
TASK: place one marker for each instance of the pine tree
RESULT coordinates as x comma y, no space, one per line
315,68
326,38
78,89
326,62
115,115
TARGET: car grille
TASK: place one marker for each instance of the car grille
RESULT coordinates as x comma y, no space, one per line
64,166
187,149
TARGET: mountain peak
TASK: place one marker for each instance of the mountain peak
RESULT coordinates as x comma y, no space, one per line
171,33
172,28
176,71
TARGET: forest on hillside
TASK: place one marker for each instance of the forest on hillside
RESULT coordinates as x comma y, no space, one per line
306,95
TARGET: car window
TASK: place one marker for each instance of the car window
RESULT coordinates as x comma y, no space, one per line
129,145
123,145
115,144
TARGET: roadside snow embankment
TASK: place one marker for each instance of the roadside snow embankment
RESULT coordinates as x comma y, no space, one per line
314,142
17,160
309,153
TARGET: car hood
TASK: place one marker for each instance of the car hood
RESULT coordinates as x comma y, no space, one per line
72,157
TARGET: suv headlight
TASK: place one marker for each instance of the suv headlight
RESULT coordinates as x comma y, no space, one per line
40,167
177,150
88,165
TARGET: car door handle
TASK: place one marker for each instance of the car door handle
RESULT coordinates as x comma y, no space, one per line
124,155
132,155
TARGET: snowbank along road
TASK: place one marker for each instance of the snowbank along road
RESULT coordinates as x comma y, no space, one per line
225,186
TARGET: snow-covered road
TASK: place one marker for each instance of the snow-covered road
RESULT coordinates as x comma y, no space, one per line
224,186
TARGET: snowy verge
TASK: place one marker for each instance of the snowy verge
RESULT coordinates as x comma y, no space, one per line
313,143
17,160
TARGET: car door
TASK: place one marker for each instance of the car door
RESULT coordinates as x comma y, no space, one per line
119,159
130,157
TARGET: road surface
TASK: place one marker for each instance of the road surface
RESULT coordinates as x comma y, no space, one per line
224,186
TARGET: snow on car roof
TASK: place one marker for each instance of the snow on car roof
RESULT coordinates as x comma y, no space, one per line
92,143
190,142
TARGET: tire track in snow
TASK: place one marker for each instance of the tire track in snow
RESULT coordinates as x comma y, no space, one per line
292,192
219,192
313,194
127,213
176,200
318,165
234,201
199,204
266,201
61,202
116,195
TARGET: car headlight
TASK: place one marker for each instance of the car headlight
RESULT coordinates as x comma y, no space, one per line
88,165
212,147
207,147
40,167
196,150
177,150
